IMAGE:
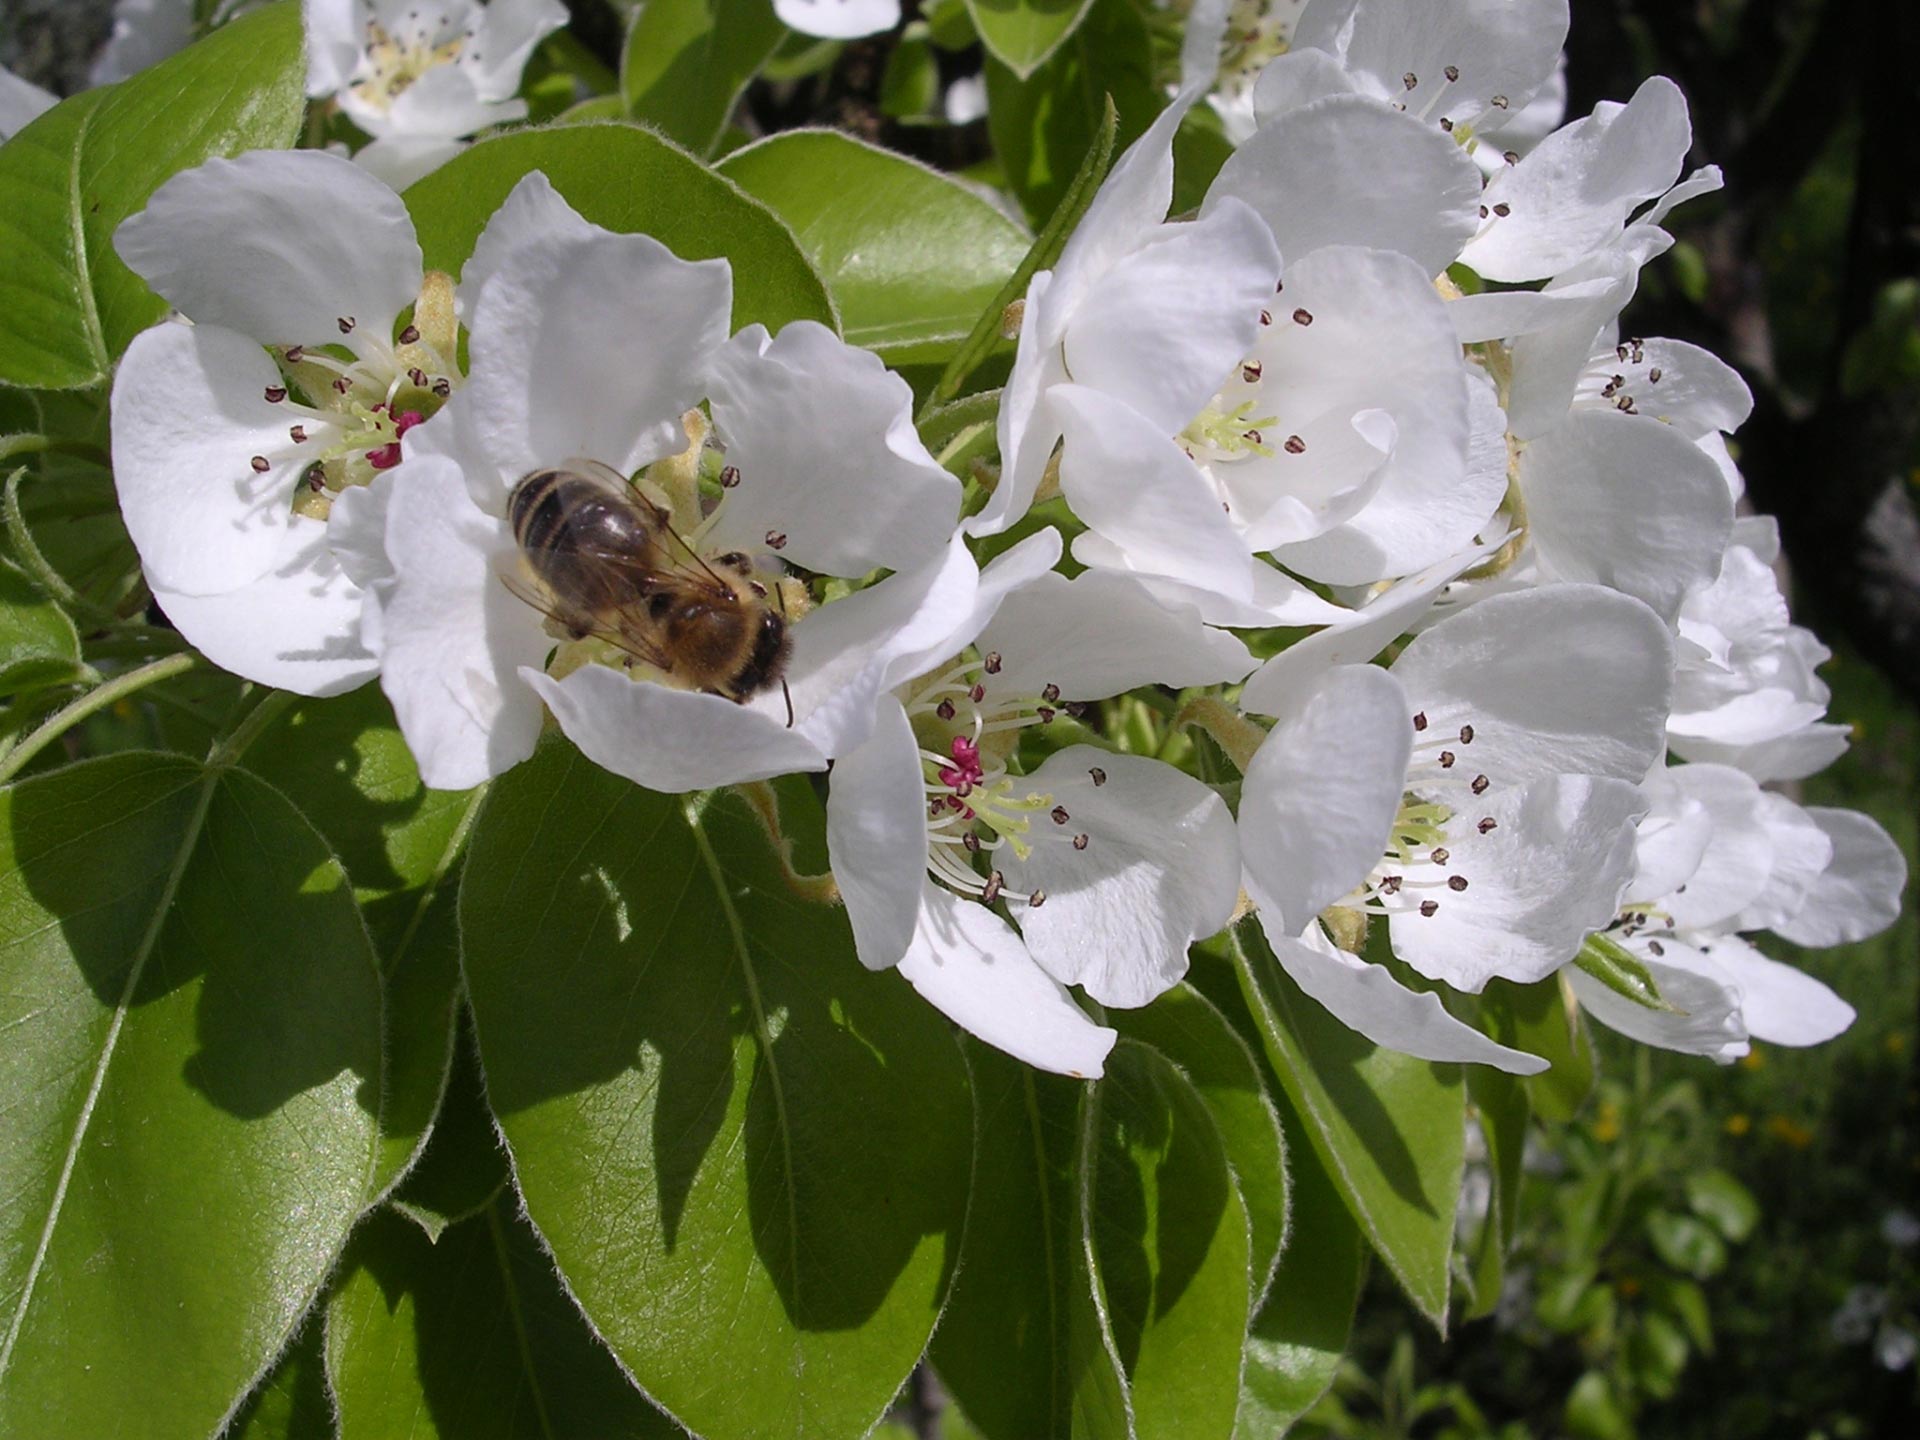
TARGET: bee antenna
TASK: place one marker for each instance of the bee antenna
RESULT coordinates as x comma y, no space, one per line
789,694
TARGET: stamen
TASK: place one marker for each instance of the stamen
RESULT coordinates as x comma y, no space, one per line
1099,776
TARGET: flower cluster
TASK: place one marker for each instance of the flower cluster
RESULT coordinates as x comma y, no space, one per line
562,485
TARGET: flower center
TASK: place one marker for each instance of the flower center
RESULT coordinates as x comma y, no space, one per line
391,63
1223,432
1418,868
1257,31
975,804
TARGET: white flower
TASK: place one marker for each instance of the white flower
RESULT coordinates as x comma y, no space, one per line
1719,856
589,345
838,19
420,77
1745,692
295,268
1476,795
1226,45
1112,863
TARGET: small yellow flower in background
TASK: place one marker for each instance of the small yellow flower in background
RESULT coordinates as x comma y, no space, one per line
1753,1059
1738,1125
1606,1125
1789,1131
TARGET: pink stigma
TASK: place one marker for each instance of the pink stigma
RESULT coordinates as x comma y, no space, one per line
965,770
388,456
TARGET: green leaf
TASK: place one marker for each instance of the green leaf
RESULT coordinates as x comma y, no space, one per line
909,255
463,1166
721,1123
1184,1026
1299,1334
292,1402
1388,1128
1621,971
1687,1243
471,1338
1594,1412
193,1049
1044,124
1021,34
910,88
632,181
1715,1196
68,306
1656,1351
1200,148
70,515
38,645
1170,1245
1024,1345
686,62
344,762
1543,1019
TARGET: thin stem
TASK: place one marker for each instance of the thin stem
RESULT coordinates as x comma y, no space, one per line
27,551
228,750
91,703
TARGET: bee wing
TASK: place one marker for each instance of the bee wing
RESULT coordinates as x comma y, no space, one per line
534,594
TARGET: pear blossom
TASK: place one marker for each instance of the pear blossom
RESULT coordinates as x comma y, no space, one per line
1112,864
1719,856
1746,692
809,457
1227,44
420,76
1478,795
295,381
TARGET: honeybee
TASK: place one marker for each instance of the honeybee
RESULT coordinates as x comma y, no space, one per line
606,561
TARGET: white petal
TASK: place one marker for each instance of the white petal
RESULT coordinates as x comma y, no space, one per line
1573,194
1300,77
1277,598
1322,791
1671,840
1705,1019
1026,428
1356,636
1801,850
1623,501
1858,894
822,435
297,627
838,19
1733,866
877,837
442,104
532,212
1164,325
1367,999
1780,1004
592,346
189,416
1161,870
1347,170
1128,481
1788,757
1548,359
506,36
1703,181
1562,679
669,740
335,30
969,963
279,245
1101,634
21,103
357,528
453,637
396,161
1548,874
1697,393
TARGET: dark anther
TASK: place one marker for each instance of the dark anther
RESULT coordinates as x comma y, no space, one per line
1051,694
1036,899
1252,437
1466,734
1390,884
1512,157
1499,102
1441,855
1099,776
418,377
1420,721
1409,80
1060,816
1266,317
1077,709
1456,883
1429,908
990,662
1046,714
996,882
1446,759
729,477
1483,212
275,394
971,842
1503,209
977,693
1480,783
295,354
342,385
1295,445
1080,842
346,324
316,479
410,335
1656,947
1452,72
260,465
944,710
1653,376
776,540
1250,372
1446,124
299,434
1303,317
443,387
1486,825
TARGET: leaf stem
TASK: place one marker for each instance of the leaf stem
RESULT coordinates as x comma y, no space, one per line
228,749
1045,250
27,551
91,703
